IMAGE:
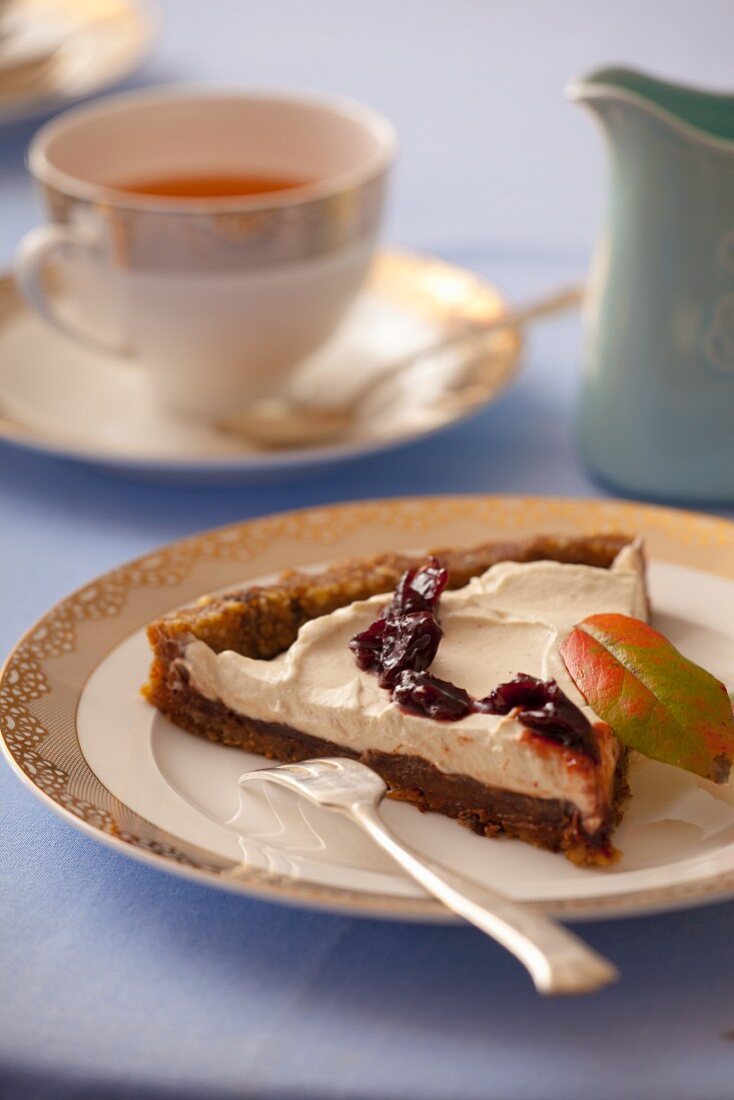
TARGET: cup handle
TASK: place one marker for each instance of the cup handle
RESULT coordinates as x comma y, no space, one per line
36,251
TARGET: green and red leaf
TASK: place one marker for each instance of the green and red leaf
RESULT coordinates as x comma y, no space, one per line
654,698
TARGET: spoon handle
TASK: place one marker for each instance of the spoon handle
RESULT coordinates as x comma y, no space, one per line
557,301
557,960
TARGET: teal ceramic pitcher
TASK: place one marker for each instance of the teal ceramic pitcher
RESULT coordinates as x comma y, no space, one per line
657,407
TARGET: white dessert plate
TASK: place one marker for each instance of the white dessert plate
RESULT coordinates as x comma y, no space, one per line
54,52
77,732
60,398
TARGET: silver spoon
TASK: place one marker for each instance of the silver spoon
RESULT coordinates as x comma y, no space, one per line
557,960
288,422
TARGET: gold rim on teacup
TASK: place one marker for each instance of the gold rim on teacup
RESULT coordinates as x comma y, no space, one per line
230,232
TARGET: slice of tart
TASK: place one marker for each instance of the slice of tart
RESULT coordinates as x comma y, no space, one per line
289,670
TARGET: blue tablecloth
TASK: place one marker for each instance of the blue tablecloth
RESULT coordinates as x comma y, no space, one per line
120,981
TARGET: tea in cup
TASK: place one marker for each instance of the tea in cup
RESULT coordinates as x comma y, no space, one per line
215,238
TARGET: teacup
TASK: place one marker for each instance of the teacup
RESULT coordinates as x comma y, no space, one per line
217,297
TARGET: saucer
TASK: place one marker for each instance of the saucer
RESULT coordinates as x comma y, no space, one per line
54,54
62,399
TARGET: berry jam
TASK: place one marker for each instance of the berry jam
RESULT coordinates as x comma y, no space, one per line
419,590
400,646
524,691
406,636
367,646
422,693
545,709
410,643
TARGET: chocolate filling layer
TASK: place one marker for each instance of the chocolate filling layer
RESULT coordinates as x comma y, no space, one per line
547,823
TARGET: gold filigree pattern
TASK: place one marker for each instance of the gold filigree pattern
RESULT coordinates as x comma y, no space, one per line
44,677
45,775
222,239
93,815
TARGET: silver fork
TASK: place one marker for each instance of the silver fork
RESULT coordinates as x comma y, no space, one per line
557,960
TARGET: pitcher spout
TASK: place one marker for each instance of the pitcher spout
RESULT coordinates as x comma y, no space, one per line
695,115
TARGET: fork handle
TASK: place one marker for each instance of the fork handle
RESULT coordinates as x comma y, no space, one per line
557,960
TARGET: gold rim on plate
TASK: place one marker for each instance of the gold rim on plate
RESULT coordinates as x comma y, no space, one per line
44,676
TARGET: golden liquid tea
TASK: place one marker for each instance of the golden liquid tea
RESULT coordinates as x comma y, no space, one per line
210,187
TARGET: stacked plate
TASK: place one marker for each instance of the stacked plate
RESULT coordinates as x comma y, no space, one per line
53,52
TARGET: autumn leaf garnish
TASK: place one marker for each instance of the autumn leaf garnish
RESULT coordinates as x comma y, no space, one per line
655,700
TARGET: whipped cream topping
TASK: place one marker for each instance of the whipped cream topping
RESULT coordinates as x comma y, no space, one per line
511,619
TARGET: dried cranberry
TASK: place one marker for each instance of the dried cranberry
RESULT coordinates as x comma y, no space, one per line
524,691
409,642
563,722
367,646
422,693
418,590
545,709
407,634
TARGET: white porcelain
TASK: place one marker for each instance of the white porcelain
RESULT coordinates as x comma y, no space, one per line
215,301
64,399
676,829
76,730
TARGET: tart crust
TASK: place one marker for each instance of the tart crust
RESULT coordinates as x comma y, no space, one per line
262,621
